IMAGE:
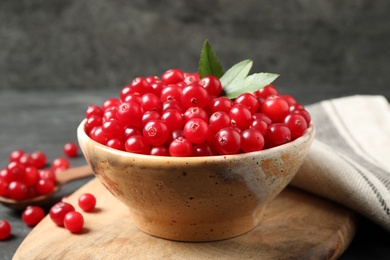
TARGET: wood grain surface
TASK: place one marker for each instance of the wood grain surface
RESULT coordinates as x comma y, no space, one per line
296,225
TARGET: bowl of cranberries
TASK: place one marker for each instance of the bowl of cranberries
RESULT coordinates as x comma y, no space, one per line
190,163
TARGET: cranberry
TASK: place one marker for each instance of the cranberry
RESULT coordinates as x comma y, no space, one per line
17,190
194,95
15,155
156,132
32,215
137,144
39,158
196,130
277,134
227,141
276,108
297,125
172,76
180,147
60,164
251,140
87,202
58,211
212,85
5,229
74,221
70,149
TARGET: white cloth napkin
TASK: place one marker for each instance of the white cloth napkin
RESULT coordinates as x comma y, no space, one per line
349,161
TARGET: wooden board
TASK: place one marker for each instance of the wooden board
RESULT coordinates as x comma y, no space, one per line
296,225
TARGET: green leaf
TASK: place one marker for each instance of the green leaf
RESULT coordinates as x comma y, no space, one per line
236,72
209,64
249,84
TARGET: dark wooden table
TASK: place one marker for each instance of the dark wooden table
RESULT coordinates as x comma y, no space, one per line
47,120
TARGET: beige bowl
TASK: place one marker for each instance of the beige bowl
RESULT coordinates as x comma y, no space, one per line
195,198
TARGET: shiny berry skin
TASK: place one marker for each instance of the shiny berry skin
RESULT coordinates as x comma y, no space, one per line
93,110
180,147
60,164
195,112
277,134
227,141
203,149
140,85
137,144
276,108
219,104
92,122
3,188
16,171
173,119
44,186
32,215
172,76
196,130
130,114
259,125
113,129
304,113
116,144
17,190
194,96
212,85
31,176
171,92
150,102
218,120
47,174
159,151
156,132
251,140
70,149
297,125
110,102
248,100
39,158
97,135
5,229
74,221
87,202
173,104
150,115
16,155
240,116
266,92
58,212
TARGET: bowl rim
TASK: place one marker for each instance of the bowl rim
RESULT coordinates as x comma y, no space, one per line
307,136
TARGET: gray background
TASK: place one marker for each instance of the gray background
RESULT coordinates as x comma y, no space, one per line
317,46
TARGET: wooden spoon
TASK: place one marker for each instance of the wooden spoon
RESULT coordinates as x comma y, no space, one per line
61,177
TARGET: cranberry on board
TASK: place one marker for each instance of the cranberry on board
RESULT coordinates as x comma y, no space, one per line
87,202
74,221
58,211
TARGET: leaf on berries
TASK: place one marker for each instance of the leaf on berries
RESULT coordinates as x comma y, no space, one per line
209,64
236,72
249,84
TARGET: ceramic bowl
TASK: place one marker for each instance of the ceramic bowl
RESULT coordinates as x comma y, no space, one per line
195,198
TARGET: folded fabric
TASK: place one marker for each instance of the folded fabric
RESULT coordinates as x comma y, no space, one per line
349,161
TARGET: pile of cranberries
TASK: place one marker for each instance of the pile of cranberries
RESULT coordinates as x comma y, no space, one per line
180,114
63,214
26,175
